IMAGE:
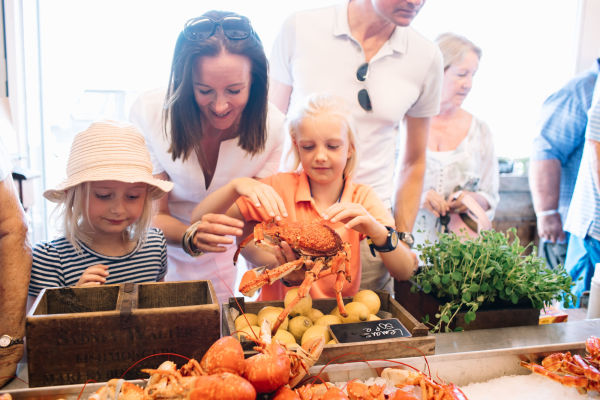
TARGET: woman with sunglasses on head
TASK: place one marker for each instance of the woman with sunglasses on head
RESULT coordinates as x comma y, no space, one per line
213,124
461,162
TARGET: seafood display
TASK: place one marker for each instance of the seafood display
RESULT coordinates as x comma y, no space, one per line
399,379
167,382
394,384
582,373
321,251
223,373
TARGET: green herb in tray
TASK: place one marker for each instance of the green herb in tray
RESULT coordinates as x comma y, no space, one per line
467,273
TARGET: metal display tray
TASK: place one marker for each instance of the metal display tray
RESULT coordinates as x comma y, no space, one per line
459,368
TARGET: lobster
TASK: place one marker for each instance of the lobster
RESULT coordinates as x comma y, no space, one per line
223,373
582,373
355,390
320,249
322,391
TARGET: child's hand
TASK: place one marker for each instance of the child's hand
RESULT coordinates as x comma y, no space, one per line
94,275
435,203
261,195
354,216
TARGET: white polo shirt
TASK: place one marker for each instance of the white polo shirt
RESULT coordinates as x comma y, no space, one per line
315,52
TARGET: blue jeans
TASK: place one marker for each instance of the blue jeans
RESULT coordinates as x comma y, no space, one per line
582,256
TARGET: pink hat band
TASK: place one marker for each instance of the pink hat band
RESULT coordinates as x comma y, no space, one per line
113,151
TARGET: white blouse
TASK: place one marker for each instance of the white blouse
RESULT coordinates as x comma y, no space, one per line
190,188
472,166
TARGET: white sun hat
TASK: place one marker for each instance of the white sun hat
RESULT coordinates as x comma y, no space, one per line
109,151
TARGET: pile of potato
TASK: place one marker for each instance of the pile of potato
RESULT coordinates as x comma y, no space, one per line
305,322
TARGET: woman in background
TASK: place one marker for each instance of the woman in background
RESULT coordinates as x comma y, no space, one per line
212,125
460,150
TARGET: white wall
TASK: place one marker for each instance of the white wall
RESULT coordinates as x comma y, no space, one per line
589,35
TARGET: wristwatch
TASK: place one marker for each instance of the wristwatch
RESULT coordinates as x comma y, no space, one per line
407,238
7,341
390,243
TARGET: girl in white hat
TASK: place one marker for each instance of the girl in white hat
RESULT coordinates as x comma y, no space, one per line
106,203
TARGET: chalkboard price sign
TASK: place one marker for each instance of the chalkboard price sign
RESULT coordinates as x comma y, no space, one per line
369,330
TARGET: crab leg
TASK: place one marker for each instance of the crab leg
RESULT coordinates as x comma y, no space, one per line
258,235
567,380
588,370
241,246
258,277
311,276
340,265
592,345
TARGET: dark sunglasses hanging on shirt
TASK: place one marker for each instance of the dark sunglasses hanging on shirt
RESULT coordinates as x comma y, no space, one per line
201,28
363,95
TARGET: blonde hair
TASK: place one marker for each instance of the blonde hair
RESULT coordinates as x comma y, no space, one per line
318,104
454,47
74,211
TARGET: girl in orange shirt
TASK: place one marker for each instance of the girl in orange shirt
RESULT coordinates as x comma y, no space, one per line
323,143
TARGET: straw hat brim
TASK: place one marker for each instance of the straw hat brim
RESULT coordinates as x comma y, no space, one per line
156,187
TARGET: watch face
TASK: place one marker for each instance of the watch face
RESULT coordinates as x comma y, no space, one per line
393,239
4,340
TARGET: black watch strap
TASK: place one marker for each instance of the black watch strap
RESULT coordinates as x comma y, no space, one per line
390,244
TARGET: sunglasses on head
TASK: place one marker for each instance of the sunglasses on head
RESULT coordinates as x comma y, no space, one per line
201,28
363,95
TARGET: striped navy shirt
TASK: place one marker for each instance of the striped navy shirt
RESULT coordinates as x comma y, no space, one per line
584,213
57,263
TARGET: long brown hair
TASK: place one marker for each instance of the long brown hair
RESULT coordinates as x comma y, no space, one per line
182,117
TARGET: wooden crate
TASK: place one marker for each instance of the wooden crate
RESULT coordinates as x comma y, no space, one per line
515,210
97,333
421,342
420,304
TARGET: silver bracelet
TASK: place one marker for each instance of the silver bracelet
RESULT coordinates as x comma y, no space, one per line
187,241
546,213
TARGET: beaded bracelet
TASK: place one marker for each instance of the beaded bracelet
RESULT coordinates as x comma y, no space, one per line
187,241
546,213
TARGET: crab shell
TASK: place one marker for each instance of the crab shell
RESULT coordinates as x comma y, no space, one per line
313,239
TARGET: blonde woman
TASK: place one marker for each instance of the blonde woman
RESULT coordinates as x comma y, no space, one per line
460,150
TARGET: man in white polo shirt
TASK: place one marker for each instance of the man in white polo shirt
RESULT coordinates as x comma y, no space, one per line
365,52
583,219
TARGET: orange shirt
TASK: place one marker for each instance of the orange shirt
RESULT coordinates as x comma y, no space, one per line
294,189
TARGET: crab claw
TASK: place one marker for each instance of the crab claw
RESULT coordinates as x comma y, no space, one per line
254,279
251,281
